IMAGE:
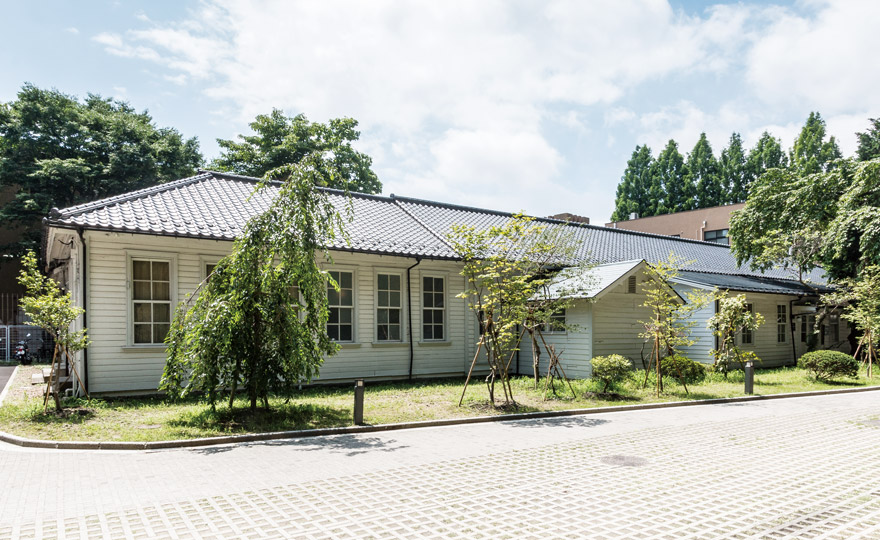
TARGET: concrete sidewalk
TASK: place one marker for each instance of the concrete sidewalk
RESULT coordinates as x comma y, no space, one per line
794,468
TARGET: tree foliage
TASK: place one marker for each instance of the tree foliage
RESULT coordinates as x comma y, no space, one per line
811,153
703,175
677,184
508,270
735,174
826,219
259,321
280,140
869,142
670,324
730,320
859,299
58,151
634,190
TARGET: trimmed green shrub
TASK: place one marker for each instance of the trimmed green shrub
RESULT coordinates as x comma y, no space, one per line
682,369
611,369
827,365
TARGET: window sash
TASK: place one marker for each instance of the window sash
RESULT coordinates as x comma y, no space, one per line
746,336
433,308
550,328
150,300
781,323
389,307
340,305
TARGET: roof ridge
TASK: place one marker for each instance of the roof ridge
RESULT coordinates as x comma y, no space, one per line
431,231
358,194
75,210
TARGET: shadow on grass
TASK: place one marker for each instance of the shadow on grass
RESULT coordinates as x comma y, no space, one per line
281,417
68,415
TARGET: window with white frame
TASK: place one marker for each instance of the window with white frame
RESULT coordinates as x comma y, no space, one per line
747,337
556,324
151,300
781,323
388,307
340,304
808,327
433,308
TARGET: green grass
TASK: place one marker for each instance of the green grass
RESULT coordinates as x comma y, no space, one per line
154,419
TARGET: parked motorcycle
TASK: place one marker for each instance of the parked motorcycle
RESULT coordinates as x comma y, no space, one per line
23,352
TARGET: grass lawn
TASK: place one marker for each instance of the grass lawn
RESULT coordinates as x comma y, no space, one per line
152,419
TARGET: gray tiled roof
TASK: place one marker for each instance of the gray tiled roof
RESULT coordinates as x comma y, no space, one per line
217,205
753,283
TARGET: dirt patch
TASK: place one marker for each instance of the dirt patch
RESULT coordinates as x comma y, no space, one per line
487,406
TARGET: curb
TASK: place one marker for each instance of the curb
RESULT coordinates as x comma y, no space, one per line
305,433
8,385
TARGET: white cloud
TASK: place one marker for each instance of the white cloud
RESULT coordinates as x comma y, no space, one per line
72,30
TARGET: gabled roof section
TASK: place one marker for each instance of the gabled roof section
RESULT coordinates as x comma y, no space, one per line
757,284
592,283
214,205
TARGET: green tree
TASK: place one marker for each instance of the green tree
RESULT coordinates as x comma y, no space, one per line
736,176
859,298
634,189
282,140
677,185
827,219
732,318
50,308
704,175
811,153
57,151
766,154
869,142
259,321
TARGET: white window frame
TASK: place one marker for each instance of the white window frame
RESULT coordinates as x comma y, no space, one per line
751,333
782,325
436,275
403,292
158,256
204,261
547,329
354,300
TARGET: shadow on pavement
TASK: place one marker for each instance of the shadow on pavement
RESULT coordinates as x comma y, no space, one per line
562,421
350,445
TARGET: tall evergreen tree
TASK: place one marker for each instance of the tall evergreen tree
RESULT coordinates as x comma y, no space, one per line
673,179
766,154
869,142
633,192
811,153
703,174
735,173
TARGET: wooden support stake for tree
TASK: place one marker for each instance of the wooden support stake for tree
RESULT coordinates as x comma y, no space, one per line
49,382
471,370
72,365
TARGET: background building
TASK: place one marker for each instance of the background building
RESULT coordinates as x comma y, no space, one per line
707,224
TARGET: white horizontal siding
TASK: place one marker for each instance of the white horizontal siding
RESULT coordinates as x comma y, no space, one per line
574,346
616,326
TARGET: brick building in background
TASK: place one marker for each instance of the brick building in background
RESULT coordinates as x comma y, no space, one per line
707,224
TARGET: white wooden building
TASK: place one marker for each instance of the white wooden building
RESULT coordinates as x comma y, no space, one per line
130,259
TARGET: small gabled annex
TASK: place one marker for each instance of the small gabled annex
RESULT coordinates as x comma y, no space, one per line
130,259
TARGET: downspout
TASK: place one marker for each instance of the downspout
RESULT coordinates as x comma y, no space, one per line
85,362
791,327
409,316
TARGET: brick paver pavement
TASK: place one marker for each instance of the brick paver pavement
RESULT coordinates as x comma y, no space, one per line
794,468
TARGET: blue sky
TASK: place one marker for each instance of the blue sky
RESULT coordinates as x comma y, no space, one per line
531,106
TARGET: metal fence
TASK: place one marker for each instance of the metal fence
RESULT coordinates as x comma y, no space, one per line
39,342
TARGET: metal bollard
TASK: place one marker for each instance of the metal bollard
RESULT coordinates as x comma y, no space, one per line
750,378
359,402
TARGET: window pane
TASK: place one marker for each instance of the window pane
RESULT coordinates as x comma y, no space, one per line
345,297
382,316
162,313
333,332
345,332
394,316
395,332
332,297
438,284
142,313
428,284
345,315
438,300
382,332
333,316
141,290
394,299
160,271
383,298
161,291
395,282
142,333
345,280
140,270
159,332
427,332
383,281
438,331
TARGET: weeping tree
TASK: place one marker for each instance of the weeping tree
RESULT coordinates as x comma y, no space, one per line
508,269
258,322
732,318
669,326
859,300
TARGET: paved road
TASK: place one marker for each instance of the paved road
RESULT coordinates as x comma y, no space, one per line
5,374
794,468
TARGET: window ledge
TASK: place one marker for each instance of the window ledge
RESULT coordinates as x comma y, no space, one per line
347,344
145,348
435,343
390,344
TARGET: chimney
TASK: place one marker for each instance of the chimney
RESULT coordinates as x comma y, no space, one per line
634,215
574,218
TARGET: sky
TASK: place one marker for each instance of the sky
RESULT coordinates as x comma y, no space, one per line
531,106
